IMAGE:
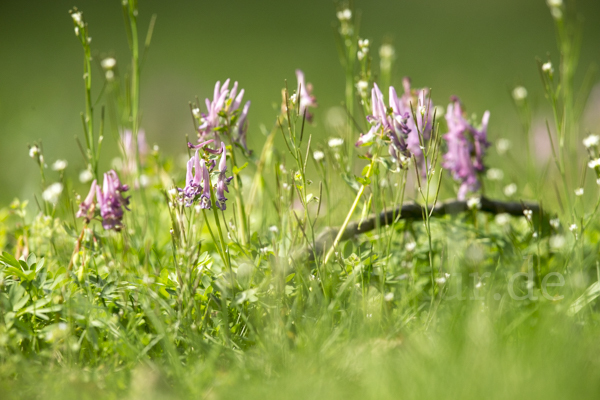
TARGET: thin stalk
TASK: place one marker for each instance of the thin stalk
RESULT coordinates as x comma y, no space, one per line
239,195
351,212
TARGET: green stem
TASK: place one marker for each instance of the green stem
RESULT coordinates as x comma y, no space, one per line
239,196
351,212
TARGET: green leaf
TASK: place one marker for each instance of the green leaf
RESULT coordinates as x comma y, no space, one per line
237,170
586,298
18,297
8,259
351,181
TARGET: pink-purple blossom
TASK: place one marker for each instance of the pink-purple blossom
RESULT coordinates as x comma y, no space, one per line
222,180
198,183
391,122
223,115
304,91
466,148
110,201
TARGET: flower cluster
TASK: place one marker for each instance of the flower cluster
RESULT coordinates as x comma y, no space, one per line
223,115
398,123
110,201
198,183
592,144
466,147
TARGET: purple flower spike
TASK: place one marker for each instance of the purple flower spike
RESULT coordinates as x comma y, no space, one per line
222,115
242,126
466,148
111,201
86,205
205,197
192,179
222,181
306,97
392,122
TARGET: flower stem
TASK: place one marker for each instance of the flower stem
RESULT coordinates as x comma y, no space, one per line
351,212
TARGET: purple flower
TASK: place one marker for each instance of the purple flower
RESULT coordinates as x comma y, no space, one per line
466,148
391,122
86,205
242,126
197,182
306,97
205,196
222,181
419,102
110,201
222,112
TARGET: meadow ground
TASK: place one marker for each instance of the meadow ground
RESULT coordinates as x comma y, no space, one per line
400,257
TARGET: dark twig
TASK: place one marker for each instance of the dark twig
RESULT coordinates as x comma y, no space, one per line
415,211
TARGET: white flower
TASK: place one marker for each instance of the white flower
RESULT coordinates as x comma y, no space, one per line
293,98
335,142
554,3
85,176
547,67
410,246
474,203
573,227
594,163
34,151
77,17
273,229
108,63
110,75
387,51
555,223
144,180
592,140
60,165
556,13
519,93
52,193
363,43
344,15
528,214
196,112
494,174
502,146
502,219
361,54
557,242
362,86
510,190
318,155
389,296
579,192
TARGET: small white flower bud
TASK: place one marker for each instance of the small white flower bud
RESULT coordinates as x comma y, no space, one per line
519,93
108,63
60,165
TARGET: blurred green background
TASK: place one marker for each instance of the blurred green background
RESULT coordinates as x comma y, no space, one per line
476,49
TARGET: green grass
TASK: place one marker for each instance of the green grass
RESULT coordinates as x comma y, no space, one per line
183,302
